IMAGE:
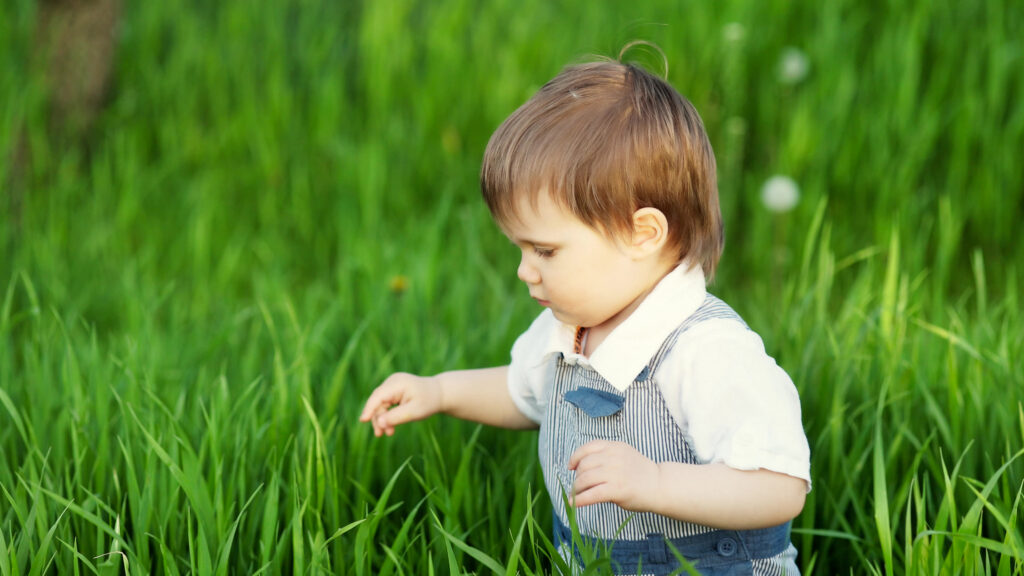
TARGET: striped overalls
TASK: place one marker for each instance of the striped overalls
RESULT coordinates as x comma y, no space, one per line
584,407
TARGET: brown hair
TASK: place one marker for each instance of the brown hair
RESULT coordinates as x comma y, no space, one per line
606,139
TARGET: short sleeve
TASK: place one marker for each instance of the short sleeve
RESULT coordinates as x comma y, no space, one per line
527,370
734,403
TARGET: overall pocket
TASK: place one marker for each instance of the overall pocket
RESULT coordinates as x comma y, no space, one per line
598,413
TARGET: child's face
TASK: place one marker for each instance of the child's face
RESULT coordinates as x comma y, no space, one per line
586,277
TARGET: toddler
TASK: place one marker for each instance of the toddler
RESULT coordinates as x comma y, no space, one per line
662,420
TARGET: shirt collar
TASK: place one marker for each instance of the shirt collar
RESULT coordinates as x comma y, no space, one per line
627,350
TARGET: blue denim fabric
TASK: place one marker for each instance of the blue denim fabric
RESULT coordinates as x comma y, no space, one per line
595,403
718,553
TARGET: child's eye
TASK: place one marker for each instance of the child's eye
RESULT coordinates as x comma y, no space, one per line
544,252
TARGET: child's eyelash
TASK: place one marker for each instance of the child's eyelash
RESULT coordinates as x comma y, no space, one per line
544,252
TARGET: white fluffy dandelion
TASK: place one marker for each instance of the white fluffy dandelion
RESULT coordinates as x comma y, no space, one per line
734,32
780,194
793,66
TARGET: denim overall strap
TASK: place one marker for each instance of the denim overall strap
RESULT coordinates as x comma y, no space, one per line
711,308
713,553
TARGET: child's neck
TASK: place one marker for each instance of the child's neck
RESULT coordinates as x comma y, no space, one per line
589,339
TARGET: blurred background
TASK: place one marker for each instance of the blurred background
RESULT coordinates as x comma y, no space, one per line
223,223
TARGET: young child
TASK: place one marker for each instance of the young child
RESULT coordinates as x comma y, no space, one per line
662,419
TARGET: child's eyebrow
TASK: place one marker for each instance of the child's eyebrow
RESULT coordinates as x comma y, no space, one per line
516,239
530,241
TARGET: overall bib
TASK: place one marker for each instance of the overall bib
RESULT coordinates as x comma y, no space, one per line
582,407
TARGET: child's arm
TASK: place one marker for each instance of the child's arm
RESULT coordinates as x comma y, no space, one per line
712,494
479,395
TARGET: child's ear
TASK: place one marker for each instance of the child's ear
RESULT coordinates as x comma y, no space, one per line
650,231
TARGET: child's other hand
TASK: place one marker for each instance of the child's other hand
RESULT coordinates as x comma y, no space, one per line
613,472
413,397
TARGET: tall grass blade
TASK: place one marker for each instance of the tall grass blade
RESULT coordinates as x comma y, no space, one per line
479,555
5,557
881,498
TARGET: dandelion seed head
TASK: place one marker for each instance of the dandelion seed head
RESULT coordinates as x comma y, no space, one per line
780,194
734,32
793,66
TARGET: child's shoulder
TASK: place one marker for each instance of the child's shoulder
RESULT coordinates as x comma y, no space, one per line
538,339
715,330
714,318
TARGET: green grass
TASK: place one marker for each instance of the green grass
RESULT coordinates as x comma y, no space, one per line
279,207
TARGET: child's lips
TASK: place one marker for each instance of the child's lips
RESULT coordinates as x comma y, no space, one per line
542,302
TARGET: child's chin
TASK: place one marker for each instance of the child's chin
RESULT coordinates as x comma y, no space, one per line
564,318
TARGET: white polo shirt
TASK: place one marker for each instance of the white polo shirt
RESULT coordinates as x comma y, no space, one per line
731,400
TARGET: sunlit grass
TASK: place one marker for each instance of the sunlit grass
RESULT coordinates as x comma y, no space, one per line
197,299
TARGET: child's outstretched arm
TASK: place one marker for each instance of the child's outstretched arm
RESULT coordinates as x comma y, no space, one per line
710,494
479,395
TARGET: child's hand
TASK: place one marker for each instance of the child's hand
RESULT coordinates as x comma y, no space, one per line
414,398
614,472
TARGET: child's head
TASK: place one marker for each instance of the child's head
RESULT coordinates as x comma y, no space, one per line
606,139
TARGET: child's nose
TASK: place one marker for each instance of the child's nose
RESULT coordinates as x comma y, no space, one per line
527,273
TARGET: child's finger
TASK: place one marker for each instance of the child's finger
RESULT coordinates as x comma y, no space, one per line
592,495
400,414
372,408
381,427
367,414
369,408
381,398
587,449
377,417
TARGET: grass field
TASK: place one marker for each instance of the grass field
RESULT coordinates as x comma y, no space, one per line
279,207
